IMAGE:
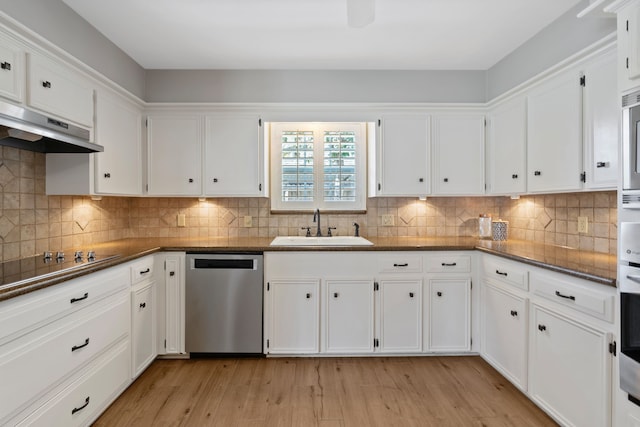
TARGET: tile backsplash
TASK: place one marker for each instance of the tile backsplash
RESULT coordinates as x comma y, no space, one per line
32,222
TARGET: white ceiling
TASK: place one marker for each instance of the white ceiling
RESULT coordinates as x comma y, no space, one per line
313,34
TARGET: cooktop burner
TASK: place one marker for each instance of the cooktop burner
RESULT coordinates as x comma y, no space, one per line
40,266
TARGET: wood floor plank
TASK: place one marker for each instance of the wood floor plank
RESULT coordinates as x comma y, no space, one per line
323,392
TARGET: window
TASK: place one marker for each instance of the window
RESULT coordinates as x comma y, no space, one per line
318,165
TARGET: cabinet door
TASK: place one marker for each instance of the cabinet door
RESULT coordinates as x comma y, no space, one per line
633,37
349,316
234,154
400,316
174,305
554,134
119,130
449,314
11,70
58,90
504,333
570,369
175,155
143,328
403,163
458,142
507,150
602,122
294,316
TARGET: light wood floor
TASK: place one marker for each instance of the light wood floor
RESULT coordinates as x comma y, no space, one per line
326,392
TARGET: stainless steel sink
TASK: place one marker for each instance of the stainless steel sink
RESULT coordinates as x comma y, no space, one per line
320,241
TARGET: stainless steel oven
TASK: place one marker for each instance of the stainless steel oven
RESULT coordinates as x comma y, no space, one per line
629,284
631,150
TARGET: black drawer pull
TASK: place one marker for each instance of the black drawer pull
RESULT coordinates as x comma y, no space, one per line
6,66
85,296
514,176
571,297
80,408
410,294
439,294
190,180
501,273
143,305
542,328
514,313
401,265
449,264
601,165
172,273
107,175
308,296
145,271
537,173
78,347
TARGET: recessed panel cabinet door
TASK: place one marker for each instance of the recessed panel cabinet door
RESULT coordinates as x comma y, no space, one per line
175,155
234,156
504,333
293,316
11,70
554,134
449,314
570,369
400,316
349,314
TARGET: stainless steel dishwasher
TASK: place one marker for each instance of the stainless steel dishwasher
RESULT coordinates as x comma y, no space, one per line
223,304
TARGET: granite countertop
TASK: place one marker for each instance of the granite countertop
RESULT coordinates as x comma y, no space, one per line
596,267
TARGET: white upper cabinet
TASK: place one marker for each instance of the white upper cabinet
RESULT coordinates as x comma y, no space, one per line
234,156
402,156
118,170
507,148
601,122
554,134
11,70
628,43
57,89
458,154
175,154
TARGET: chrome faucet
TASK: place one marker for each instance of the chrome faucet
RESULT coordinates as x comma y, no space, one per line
316,214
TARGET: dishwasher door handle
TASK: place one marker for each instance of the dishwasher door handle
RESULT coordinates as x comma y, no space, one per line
228,264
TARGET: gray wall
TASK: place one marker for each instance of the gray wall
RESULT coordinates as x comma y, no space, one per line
314,86
55,21
564,37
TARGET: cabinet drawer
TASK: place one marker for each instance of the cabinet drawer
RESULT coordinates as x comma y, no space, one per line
85,398
506,273
35,362
400,264
578,296
25,313
450,263
141,270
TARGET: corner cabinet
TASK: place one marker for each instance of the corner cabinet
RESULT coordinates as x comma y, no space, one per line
174,154
402,156
234,156
458,154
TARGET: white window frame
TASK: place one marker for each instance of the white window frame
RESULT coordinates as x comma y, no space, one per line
277,204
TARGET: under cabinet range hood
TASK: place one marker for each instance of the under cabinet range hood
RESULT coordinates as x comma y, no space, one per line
28,130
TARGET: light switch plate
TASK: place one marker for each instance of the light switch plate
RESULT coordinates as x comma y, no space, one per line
583,224
182,220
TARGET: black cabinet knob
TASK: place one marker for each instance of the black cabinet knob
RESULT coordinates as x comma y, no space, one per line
601,164
143,304
514,176
335,295
446,180
215,179
308,296
542,328
190,179
439,293
514,313
46,85
6,66
410,294
421,180
537,173
107,175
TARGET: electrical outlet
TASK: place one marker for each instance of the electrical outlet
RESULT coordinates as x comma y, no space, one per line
583,224
248,221
182,220
387,220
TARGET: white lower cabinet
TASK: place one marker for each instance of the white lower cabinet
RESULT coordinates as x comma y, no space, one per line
449,314
570,373
349,316
504,332
143,328
293,320
400,316
168,274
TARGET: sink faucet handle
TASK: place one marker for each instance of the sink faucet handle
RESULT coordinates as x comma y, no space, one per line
357,232
329,231
308,233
